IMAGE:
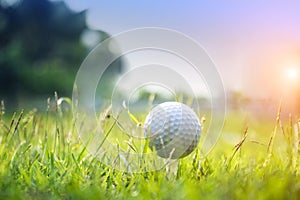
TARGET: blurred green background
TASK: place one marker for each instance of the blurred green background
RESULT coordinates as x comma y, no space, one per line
42,45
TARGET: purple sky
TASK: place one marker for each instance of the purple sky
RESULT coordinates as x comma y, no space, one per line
251,42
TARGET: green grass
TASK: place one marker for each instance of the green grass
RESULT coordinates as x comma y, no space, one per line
41,157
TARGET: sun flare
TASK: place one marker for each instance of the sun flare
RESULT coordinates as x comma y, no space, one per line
292,73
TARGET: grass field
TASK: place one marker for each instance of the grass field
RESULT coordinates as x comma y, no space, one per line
41,157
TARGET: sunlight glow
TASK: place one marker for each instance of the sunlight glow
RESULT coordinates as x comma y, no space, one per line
292,73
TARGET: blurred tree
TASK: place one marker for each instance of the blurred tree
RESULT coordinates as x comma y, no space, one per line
237,99
41,48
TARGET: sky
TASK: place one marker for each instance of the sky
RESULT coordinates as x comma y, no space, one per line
254,44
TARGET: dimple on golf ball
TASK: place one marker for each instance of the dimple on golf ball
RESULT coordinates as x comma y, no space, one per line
173,130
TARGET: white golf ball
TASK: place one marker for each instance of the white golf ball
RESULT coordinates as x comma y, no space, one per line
173,130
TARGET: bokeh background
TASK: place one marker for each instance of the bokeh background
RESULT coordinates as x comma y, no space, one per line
42,45
255,45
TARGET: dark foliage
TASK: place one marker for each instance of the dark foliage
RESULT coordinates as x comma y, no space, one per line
40,48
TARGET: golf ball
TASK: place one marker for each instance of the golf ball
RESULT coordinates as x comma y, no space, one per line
173,130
